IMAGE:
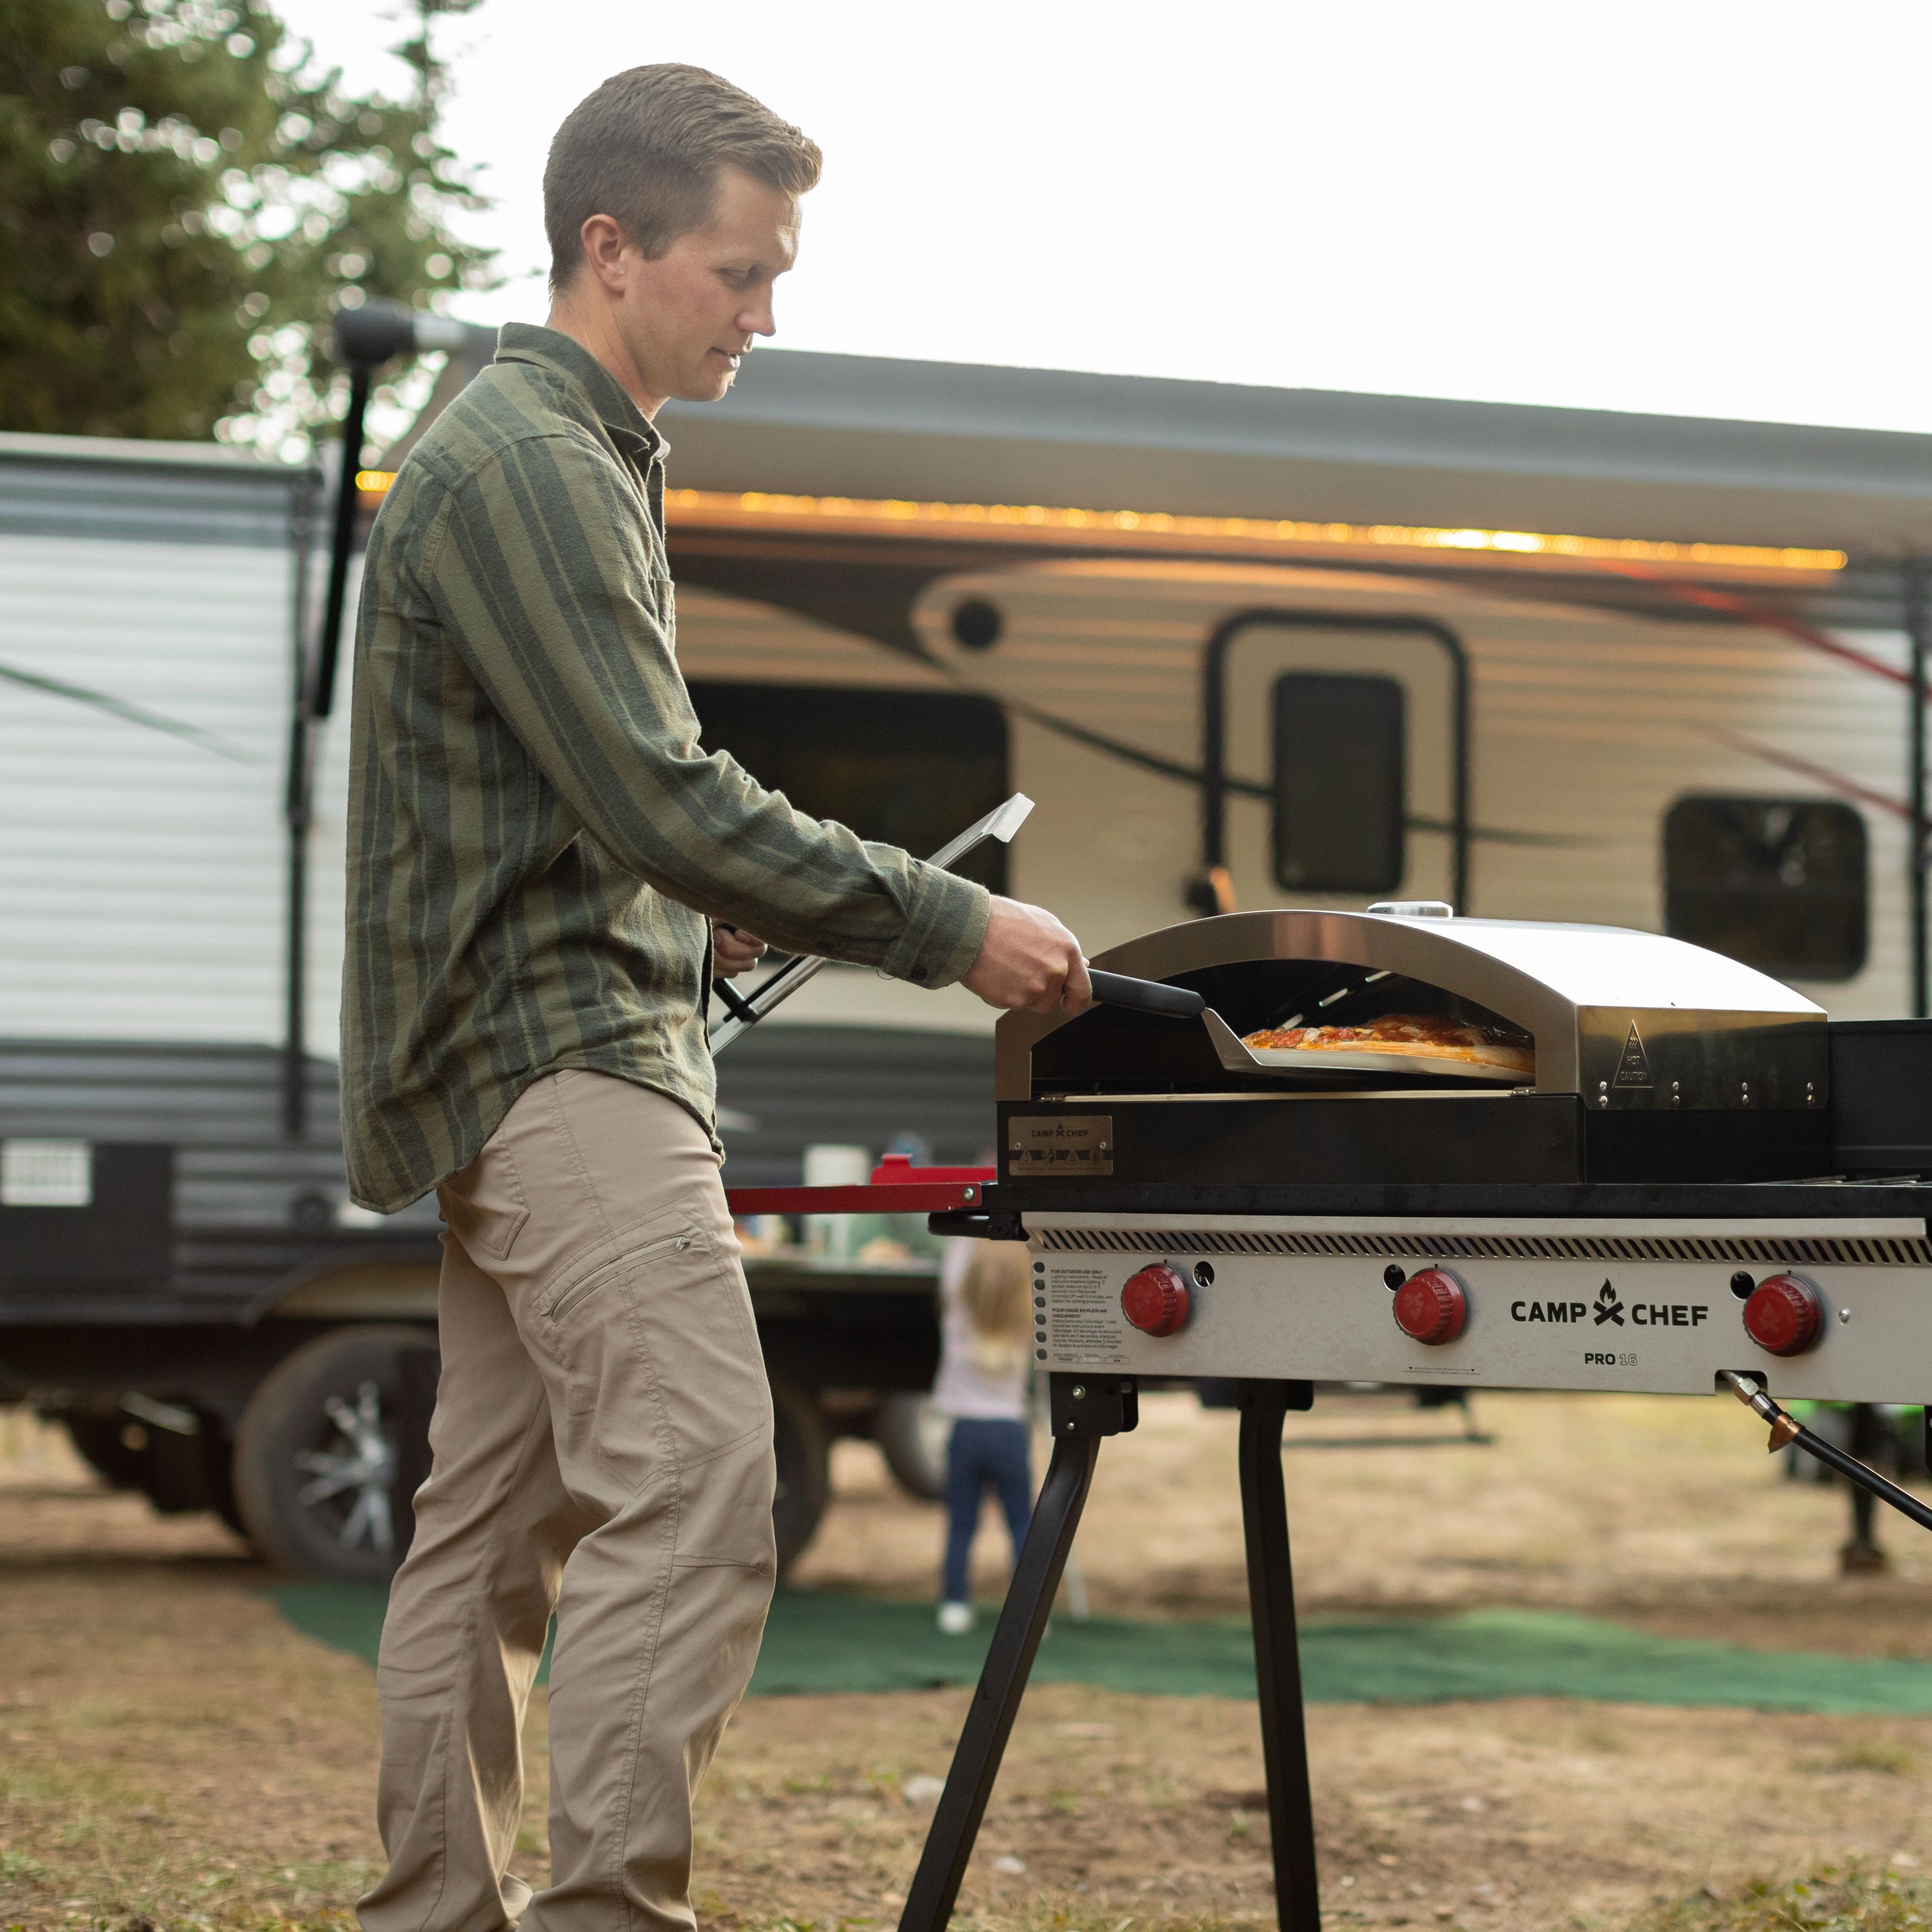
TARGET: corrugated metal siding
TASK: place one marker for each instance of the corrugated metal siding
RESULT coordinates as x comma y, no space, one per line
328,851
237,1180
142,874
220,1105
856,1086
62,487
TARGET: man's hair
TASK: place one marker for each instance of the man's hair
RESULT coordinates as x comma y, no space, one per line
646,149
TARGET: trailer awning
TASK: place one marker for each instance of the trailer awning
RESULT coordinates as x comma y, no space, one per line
849,466
872,427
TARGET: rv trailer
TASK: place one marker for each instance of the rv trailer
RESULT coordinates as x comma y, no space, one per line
1245,648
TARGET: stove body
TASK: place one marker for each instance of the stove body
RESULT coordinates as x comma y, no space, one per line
1680,1156
1604,1223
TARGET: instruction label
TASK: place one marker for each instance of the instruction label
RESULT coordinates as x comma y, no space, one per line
1084,1317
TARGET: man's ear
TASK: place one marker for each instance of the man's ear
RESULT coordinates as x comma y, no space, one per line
605,243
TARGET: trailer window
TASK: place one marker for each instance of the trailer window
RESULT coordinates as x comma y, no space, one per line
909,768
1340,760
1780,883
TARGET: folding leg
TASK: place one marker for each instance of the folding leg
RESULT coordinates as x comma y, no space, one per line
1085,1408
1277,1658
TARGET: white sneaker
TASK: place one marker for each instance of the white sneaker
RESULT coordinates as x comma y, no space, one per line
956,1619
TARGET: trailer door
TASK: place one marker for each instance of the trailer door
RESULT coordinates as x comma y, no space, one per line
1339,754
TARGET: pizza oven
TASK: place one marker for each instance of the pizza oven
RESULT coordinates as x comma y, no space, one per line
1638,1057
1650,1189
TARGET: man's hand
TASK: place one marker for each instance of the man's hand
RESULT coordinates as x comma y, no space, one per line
733,950
1028,959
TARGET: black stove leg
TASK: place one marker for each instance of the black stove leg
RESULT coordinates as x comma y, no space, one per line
1277,1658
1085,1408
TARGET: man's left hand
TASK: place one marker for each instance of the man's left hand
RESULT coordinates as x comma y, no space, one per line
733,950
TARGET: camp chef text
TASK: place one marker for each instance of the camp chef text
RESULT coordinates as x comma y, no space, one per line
1641,1314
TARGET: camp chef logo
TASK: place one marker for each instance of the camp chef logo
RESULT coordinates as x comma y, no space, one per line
1633,1069
1060,1144
1608,1308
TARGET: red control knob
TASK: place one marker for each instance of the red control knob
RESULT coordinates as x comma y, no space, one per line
1155,1301
1785,1314
1431,1307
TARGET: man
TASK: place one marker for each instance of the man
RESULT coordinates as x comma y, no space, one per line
545,871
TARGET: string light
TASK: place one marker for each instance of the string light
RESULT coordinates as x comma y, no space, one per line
1143,529
1161,530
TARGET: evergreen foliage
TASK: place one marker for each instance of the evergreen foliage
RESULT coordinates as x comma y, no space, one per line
184,200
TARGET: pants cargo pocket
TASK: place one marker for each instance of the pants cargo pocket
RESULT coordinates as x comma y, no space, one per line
727,1509
659,1358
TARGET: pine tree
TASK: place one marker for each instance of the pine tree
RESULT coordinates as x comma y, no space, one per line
184,200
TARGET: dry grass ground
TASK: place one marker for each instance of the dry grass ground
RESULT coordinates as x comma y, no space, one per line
170,1749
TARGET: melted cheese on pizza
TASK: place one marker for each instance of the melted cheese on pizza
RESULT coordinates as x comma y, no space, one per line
1407,1032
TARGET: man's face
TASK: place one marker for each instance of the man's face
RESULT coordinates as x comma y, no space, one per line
687,317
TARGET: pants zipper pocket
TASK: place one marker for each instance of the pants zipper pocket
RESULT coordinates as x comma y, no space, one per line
669,1244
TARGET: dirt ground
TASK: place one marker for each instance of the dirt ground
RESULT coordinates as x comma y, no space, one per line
170,1749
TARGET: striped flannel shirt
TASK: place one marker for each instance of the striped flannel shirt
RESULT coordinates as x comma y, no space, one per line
537,840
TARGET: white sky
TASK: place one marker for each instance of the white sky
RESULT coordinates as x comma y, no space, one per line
1703,207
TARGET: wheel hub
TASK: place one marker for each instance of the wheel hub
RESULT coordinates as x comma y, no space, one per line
365,1466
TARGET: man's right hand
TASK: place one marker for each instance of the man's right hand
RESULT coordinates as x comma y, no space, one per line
1028,959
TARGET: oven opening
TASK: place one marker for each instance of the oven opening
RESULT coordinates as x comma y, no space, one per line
1354,1023
1289,1025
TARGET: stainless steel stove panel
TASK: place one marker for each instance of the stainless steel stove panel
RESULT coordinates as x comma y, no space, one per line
1625,1319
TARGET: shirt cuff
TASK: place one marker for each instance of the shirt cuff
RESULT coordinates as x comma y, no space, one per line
945,927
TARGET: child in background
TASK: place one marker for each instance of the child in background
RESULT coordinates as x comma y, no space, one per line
985,1378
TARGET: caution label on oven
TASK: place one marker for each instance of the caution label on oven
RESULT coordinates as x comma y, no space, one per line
1084,1316
1065,1144
1633,1069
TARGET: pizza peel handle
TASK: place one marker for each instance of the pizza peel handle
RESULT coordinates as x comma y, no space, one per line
1001,823
1144,996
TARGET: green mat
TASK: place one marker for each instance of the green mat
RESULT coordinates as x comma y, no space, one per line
824,1643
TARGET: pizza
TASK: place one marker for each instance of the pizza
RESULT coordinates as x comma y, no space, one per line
1499,1049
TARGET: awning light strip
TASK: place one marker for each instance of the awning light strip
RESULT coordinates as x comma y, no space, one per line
1038,521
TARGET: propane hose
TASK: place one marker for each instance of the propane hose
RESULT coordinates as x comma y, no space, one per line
1786,1428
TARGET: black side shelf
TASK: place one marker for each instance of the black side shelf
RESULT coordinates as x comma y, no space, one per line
1881,1096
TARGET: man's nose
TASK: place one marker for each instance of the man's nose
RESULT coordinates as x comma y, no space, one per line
756,320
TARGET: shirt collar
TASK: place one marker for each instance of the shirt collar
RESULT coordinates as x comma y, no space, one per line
551,348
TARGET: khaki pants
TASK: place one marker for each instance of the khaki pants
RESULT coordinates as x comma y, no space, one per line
602,1448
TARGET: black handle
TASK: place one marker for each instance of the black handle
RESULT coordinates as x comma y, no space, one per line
735,1004
1145,996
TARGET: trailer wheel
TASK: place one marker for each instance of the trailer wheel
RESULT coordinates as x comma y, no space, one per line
802,1446
332,1447
912,1435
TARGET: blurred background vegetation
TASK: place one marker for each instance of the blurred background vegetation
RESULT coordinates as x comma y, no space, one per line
185,201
